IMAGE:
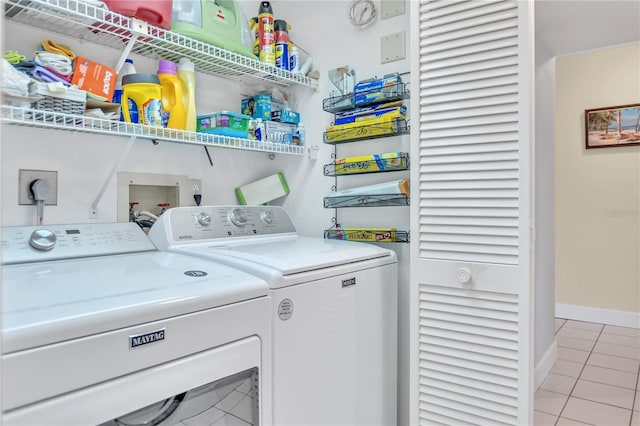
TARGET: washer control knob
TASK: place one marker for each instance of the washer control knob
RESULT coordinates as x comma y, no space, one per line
463,275
42,239
238,217
267,216
203,219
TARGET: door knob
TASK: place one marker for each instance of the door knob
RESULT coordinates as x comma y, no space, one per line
463,275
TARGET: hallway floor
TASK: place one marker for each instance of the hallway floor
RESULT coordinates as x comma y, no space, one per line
595,379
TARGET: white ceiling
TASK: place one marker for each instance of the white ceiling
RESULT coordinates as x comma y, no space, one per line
571,26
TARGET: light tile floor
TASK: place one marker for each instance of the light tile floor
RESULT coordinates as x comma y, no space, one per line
595,379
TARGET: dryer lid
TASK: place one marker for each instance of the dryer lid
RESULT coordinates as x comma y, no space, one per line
48,302
295,254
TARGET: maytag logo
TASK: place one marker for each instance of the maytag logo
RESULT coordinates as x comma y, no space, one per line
185,237
349,282
145,339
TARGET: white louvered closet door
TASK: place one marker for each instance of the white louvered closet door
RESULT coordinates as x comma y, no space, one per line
472,311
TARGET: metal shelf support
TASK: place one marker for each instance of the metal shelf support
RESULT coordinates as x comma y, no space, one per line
114,170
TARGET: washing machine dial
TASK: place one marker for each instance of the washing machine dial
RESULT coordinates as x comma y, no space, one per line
203,219
42,239
238,217
267,216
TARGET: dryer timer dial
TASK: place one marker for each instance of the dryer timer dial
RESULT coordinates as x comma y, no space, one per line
267,216
238,217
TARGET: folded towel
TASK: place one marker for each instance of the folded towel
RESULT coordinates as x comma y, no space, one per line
43,74
53,47
25,66
61,64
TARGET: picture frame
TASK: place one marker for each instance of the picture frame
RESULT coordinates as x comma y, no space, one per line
612,126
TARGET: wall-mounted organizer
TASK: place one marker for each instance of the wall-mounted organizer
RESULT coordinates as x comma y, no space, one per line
375,112
91,23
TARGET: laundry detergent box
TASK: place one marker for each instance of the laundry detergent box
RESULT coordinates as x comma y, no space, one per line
224,123
392,109
94,78
377,90
258,106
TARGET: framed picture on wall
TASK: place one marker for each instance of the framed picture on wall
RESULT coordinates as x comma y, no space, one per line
612,126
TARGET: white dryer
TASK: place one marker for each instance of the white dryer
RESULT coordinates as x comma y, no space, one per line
99,327
334,309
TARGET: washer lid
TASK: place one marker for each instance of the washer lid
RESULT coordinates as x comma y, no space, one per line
294,254
48,302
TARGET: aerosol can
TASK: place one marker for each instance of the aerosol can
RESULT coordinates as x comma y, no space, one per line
282,44
266,34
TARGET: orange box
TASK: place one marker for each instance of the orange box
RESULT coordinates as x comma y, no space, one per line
94,77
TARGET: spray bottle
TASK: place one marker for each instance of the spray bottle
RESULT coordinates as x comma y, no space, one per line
266,34
186,74
282,44
173,111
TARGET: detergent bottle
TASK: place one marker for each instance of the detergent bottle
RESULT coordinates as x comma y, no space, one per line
173,110
186,74
144,93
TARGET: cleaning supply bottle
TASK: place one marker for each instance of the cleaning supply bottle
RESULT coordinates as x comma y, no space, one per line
127,68
282,44
294,59
266,34
186,74
144,92
173,110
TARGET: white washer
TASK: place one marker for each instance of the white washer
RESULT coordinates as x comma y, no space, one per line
99,325
334,314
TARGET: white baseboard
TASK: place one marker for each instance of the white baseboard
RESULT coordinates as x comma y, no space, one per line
546,364
599,315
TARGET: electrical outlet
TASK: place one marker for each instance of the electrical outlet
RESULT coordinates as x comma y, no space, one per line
26,177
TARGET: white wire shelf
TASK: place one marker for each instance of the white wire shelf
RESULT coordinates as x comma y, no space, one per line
56,120
99,25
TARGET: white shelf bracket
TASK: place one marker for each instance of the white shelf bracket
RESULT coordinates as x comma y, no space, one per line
126,52
114,170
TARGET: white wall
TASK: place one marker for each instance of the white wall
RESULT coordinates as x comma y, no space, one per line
544,212
597,190
83,161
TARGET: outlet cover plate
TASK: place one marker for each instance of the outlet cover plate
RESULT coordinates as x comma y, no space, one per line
393,47
391,8
25,177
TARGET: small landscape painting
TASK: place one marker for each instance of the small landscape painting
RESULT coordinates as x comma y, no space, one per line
612,126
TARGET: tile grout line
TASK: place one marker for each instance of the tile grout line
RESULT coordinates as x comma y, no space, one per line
635,396
578,378
585,363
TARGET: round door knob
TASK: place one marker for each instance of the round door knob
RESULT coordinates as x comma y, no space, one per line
267,216
204,219
42,239
238,217
463,275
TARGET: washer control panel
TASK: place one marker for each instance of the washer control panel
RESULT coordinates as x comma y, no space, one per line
185,224
25,244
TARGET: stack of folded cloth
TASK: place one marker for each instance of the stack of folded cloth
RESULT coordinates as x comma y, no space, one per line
53,63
